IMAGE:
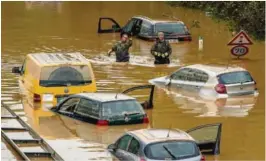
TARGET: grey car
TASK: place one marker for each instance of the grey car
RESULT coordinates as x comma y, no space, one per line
168,144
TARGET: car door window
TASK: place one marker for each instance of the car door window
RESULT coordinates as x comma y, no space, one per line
123,142
69,105
146,28
134,146
129,25
200,76
182,74
88,108
207,137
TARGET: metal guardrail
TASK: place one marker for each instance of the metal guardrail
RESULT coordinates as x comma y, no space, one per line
47,152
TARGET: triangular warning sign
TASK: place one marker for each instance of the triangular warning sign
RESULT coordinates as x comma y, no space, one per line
241,39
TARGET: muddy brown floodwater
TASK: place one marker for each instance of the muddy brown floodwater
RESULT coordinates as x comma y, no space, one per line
72,27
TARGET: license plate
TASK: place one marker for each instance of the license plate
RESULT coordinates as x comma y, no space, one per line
173,40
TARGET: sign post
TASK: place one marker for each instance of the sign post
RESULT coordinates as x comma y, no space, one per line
239,42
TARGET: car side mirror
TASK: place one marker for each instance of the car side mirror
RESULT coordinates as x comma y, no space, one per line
16,70
112,147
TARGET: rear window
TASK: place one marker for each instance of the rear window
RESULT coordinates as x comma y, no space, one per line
235,77
171,28
118,108
172,150
66,75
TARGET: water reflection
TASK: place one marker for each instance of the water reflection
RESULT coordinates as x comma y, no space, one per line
41,28
232,106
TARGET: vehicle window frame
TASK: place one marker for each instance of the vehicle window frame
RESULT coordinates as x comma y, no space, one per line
201,72
149,28
138,151
125,28
90,114
117,142
68,112
219,77
179,71
23,67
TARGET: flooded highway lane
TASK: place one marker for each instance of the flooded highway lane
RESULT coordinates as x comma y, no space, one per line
72,27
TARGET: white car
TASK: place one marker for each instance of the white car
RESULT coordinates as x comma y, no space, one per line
167,144
210,82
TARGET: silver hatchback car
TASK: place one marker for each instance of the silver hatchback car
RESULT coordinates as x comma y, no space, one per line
167,144
210,81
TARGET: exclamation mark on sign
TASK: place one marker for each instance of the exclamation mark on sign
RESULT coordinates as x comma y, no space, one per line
241,39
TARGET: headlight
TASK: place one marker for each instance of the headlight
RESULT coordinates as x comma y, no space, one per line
47,97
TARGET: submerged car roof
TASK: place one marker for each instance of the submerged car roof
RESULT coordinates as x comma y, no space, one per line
106,97
216,69
157,135
49,59
154,21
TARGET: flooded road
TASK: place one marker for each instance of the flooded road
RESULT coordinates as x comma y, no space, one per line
72,27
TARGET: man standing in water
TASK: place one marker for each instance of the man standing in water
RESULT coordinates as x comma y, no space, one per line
121,48
161,50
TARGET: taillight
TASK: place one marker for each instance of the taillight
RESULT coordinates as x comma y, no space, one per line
36,98
102,122
145,119
142,159
202,158
186,38
220,88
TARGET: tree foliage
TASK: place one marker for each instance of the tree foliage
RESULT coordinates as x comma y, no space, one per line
240,15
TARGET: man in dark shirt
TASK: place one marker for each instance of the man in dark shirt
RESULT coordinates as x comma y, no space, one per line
161,50
121,48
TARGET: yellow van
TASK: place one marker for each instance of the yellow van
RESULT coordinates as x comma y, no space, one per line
50,77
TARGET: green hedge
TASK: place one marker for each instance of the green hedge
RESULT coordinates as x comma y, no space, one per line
246,15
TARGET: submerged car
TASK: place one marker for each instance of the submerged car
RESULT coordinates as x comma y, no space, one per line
147,29
49,77
210,81
106,108
168,144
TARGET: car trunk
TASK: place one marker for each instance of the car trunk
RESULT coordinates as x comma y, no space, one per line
237,83
240,88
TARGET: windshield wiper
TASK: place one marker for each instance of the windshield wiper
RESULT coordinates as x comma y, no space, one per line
55,84
166,32
169,152
81,82
133,113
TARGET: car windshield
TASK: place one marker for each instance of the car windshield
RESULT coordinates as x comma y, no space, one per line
169,28
64,76
235,77
118,108
171,150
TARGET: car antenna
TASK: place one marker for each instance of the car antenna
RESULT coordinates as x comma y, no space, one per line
118,92
169,130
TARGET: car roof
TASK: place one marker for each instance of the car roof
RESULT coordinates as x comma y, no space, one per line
106,97
154,21
157,135
49,59
216,69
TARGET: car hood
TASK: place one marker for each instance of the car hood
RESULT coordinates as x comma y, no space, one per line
158,80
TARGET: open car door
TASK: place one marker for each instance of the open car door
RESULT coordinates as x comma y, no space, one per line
114,27
208,137
148,103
